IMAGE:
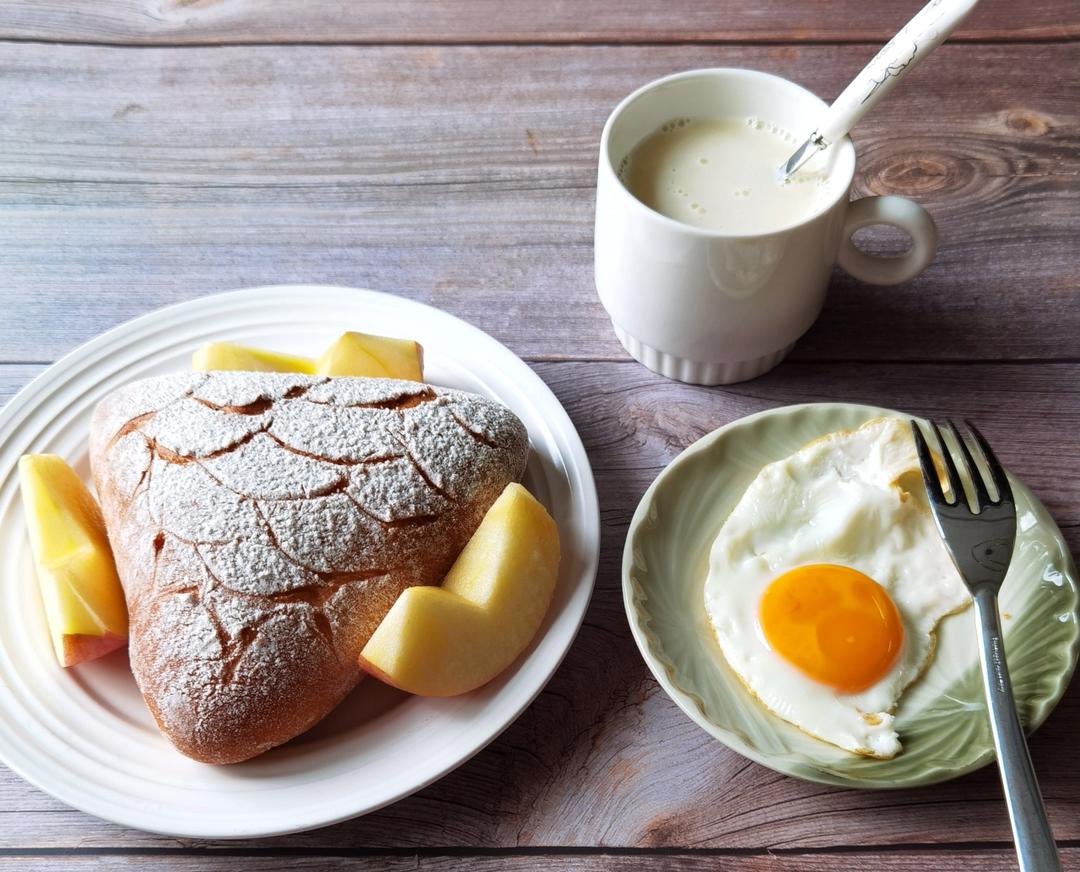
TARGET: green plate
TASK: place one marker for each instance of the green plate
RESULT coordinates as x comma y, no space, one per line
941,719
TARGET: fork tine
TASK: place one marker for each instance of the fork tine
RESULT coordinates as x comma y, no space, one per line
956,486
981,493
926,461
997,472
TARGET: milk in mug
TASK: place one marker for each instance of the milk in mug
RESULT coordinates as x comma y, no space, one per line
722,174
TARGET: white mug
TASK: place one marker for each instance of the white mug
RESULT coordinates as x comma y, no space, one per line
712,307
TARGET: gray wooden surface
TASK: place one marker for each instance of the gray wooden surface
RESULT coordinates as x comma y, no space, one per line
151,152
463,176
217,22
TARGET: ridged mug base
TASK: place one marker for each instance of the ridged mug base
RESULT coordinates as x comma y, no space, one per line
699,372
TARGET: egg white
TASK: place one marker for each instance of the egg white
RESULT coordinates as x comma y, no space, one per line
853,498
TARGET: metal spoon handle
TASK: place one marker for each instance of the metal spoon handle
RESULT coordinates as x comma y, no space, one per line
900,55
1035,848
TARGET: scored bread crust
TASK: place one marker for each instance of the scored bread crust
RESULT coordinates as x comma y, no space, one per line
263,525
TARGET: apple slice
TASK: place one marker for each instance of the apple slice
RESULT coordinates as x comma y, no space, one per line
230,356
442,641
376,356
84,603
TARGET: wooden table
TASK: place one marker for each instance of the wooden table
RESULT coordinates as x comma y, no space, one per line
156,150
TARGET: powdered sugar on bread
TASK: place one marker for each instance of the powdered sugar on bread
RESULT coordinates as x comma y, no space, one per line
263,524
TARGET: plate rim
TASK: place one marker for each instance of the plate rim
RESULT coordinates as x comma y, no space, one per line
580,482
687,704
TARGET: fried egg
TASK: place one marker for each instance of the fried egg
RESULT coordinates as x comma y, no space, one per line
827,581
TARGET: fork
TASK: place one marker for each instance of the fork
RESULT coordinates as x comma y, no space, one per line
980,541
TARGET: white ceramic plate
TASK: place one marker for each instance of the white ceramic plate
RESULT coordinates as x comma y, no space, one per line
84,734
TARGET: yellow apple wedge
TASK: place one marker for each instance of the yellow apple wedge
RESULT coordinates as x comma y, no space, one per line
84,603
363,354
230,356
442,641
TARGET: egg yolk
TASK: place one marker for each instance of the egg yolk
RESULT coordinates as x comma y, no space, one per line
833,623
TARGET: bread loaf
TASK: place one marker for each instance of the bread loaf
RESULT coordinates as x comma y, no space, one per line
263,524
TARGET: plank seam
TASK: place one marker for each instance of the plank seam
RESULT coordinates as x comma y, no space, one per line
832,361
503,185
825,361
537,851
643,41
512,185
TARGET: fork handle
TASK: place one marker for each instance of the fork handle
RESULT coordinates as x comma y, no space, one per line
1035,848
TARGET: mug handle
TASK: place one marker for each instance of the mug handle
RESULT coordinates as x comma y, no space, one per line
900,212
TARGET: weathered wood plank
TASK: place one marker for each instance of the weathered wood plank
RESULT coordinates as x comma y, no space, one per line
892,861
603,757
14,376
637,421
132,178
183,22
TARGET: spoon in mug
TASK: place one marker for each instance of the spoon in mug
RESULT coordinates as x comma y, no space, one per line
926,31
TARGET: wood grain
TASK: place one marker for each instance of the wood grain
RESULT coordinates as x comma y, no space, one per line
603,757
152,151
135,178
13,377
941,861
187,22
